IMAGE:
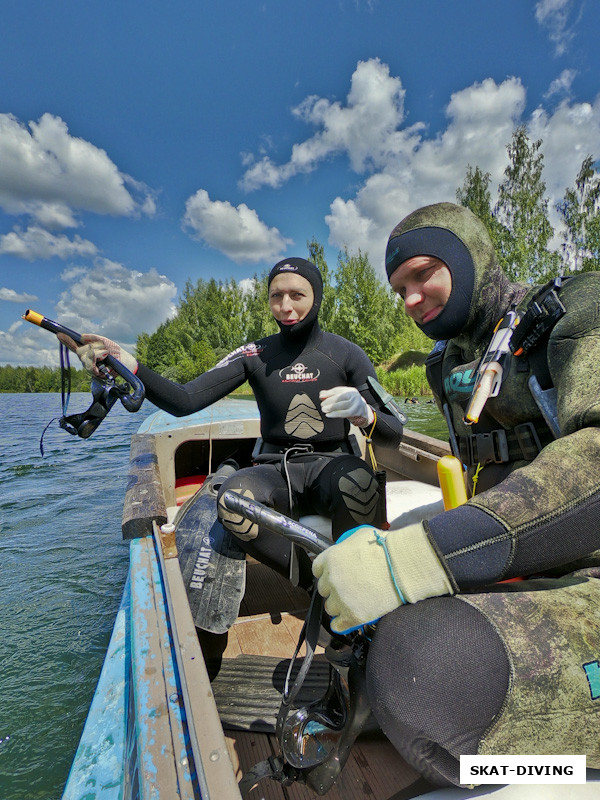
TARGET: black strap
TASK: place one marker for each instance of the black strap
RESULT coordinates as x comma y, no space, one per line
541,314
276,767
521,443
271,452
65,389
272,767
309,634
433,368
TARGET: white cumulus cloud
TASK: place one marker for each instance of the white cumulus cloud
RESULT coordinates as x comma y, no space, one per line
37,243
569,133
365,128
116,302
404,167
25,345
16,297
46,172
423,170
107,299
238,232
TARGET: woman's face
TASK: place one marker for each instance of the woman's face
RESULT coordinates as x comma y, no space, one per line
291,297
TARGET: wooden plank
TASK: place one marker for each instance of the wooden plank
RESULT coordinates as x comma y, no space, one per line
157,770
248,748
375,770
233,648
261,635
382,766
293,624
205,731
144,495
175,703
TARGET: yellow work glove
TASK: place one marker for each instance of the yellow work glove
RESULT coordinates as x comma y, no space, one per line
368,573
95,348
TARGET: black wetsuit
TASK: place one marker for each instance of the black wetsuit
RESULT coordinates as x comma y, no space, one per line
286,375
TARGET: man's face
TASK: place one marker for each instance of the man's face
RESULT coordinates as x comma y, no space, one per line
424,283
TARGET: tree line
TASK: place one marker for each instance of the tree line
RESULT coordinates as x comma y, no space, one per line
215,317
20,380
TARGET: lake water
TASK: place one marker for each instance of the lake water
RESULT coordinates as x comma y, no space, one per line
62,569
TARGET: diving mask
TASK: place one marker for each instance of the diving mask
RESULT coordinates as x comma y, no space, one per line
310,734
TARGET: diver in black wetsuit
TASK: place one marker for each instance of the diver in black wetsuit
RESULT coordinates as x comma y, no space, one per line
309,386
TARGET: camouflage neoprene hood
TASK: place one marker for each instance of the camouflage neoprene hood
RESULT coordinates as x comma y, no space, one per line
480,293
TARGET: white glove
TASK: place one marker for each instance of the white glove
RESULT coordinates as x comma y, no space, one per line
368,573
346,402
95,348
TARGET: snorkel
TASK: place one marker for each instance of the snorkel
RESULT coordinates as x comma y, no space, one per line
105,391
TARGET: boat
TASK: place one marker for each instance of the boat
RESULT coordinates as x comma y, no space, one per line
182,711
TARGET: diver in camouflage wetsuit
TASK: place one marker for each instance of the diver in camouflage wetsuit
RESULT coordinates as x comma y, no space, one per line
478,666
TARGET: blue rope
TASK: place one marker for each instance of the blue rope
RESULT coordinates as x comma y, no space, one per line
381,540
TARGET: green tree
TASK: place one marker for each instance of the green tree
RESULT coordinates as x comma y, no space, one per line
316,254
141,347
580,210
214,318
17,380
258,320
475,195
364,310
522,211
213,311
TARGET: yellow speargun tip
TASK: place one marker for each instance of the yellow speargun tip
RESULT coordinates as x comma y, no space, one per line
33,316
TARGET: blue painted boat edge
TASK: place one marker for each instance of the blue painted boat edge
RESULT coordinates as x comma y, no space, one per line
117,753
161,741
97,771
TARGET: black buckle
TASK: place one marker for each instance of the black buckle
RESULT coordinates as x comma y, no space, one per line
485,448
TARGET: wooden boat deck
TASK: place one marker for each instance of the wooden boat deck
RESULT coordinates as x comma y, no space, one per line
269,625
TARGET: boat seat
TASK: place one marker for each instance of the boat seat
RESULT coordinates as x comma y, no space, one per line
407,502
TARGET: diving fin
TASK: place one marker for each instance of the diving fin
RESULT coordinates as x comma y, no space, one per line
213,564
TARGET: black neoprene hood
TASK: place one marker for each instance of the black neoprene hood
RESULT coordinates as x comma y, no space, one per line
306,269
447,246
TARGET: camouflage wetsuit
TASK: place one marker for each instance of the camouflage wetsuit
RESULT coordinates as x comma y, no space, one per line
503,668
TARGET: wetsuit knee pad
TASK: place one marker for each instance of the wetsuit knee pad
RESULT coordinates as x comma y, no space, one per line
263,483
353,490
243,528
439,668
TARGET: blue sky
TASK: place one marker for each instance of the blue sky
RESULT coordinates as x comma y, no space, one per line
145,144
